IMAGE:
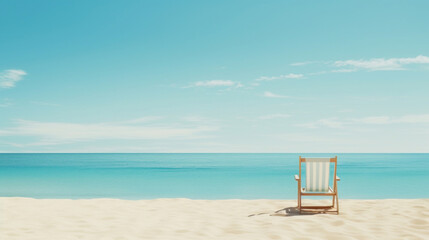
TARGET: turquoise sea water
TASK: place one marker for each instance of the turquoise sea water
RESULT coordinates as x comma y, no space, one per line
204,176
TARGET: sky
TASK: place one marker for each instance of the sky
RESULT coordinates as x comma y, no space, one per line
214,76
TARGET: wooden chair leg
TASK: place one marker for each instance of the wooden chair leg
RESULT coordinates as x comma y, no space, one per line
338,204
299,196
333,201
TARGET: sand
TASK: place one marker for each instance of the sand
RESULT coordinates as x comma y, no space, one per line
25,218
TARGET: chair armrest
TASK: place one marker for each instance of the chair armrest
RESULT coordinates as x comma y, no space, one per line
297,178
337,178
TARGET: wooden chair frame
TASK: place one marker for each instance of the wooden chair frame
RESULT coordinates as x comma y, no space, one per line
332,192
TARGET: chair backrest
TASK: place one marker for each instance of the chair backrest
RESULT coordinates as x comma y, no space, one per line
317,173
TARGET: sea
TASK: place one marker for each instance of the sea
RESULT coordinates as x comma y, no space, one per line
205,175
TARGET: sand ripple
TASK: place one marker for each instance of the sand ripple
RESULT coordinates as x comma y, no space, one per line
24,218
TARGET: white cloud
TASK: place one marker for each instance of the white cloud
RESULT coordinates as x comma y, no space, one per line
288,76
344,70
376,120
44,103
302,63
331,122
273,95
196,119
8,78
273,116
142,120
239,85
223,84
376,64
6,103
217,83
214,83
50,133
327,122
423,118
318,73
353,65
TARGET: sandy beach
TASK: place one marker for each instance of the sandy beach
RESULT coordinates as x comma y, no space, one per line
26,218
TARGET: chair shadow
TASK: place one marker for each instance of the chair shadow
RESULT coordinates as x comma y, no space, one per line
286,212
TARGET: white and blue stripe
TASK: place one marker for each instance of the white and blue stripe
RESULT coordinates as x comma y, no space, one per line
317,174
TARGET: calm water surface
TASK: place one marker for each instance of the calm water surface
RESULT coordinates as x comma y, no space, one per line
204,176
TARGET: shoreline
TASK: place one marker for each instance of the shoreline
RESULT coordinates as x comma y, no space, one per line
207,199
181,218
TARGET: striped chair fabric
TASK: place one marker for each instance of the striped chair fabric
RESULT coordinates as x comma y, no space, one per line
317,175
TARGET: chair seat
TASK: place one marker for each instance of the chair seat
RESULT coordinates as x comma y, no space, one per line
328,192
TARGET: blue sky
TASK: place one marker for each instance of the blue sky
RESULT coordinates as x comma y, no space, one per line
218,76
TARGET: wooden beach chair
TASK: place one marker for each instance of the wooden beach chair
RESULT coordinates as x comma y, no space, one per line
317,183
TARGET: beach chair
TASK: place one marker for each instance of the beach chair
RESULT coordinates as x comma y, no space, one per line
317,183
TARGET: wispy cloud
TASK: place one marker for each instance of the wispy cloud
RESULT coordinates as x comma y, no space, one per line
374,120
377,64
142,120
344,70
6,103
52,133
273,116
373,64
302,63
327,122
198,119
44,103
273,95
422,118
288,76
8,78
216,83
